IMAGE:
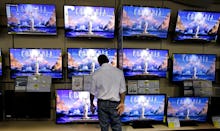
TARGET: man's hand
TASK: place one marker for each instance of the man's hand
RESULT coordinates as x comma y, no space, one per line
120,108
92,108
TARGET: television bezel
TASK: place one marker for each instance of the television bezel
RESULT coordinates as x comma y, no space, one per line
149,120
149,73
2,64
98,37
75,121
116,51
198,41
62,76
190,54
146,37
188,97
31,33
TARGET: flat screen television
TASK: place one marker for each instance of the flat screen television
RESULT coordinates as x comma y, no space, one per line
145,62
36,19
144,107
83,61
74,106
89,21
1,62
147,22
195,26
188,108
193,67
26,62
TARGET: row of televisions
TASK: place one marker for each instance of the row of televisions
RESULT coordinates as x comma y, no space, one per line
71,106
83,61
99,22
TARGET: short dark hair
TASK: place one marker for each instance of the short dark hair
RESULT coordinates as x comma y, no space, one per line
102,59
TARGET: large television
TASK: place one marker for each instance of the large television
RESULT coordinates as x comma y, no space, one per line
148,107
84,61
197,26
89,21
145,22
27,62
188,108
74,106
1,62
145,62
193,67
36,19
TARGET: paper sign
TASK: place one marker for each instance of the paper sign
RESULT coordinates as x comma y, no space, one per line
216,121
173,122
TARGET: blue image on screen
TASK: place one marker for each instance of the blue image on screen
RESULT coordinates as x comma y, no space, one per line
26,62
145,61
71,106
89,21
188,108
144,107
194,66
82,61
192,25
145,21
39,19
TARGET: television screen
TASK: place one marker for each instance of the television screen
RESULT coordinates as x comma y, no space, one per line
39,19
89,21
188,108
82,61
146,22
1,62
197,26
144,107
145,61
194,66
26,62
74,106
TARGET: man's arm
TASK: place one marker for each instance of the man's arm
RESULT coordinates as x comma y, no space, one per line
121,106
92,106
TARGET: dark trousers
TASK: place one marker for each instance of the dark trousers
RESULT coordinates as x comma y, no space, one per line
108,115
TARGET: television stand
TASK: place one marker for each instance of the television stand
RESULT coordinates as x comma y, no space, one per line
188,123
141,124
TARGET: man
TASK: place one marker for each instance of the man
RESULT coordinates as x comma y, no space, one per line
108,84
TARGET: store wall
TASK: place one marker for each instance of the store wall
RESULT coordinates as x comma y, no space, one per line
59,41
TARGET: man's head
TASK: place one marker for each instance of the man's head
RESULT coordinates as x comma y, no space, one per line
102,59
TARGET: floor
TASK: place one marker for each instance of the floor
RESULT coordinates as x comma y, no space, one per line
52,126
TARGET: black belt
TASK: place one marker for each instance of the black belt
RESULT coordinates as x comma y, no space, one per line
101,100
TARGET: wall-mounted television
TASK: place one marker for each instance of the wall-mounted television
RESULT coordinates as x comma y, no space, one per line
89,21
144,107
145,62
84,61
26,62
74,106
36,19
193,67
188,108
196,26
1,62
145,22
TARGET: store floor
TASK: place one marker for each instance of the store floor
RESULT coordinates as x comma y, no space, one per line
52,126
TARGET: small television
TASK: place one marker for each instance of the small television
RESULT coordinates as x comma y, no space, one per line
145,62
84,61
36,19
27,62
145,22
74,106
148,107
193,67
89,21
196,26
188,109
1,62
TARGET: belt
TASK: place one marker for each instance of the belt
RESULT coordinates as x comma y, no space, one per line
101,100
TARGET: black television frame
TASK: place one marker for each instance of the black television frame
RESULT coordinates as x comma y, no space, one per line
33,73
